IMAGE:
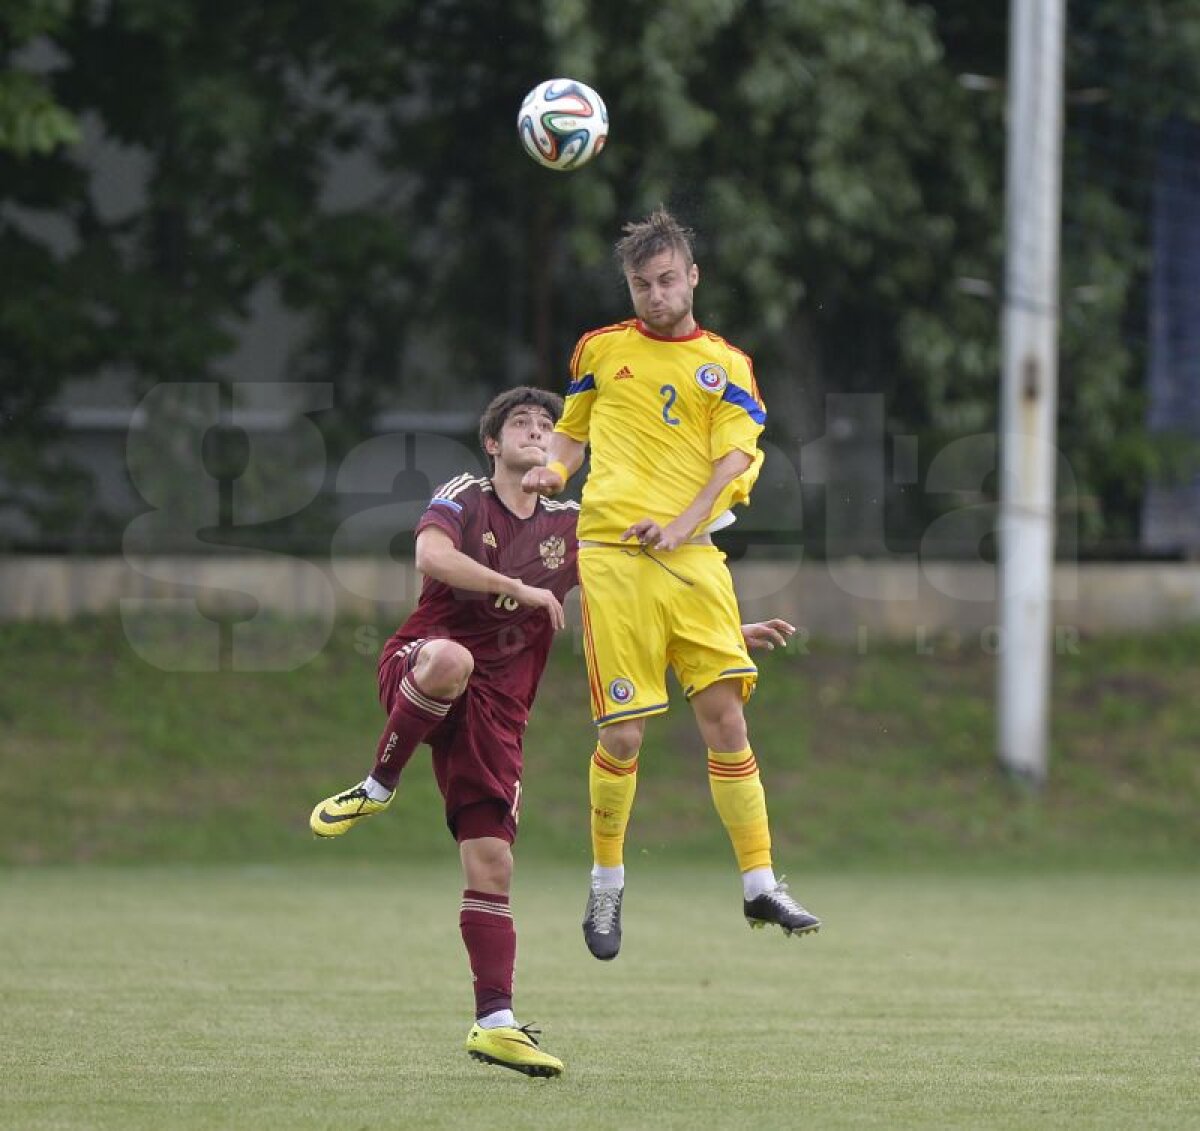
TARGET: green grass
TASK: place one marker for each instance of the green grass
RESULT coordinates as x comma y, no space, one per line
323,995
177,952
879,759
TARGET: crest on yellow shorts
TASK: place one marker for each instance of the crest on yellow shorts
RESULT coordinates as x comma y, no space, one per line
621,691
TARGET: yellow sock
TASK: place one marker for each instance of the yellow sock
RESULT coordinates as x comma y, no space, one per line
737,793
611,786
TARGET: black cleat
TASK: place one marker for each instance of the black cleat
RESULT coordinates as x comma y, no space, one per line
777,907
602,922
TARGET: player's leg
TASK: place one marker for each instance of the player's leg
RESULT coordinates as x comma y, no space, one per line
485,832
714,668
741,803
734,780
478,765
624,645
418,686
424,695
612,785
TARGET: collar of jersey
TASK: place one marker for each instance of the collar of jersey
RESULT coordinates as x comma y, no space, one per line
646,332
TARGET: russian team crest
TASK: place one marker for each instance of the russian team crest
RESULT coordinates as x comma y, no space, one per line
553,551
712,378
621,691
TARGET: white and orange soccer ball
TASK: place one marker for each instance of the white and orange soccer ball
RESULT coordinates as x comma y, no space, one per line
563,124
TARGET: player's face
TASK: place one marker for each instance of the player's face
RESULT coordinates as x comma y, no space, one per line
524,438
661,289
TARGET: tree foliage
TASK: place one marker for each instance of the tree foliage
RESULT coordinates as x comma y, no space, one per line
360,160
31,121
1130,68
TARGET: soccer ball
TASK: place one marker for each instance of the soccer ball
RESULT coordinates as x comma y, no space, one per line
563,124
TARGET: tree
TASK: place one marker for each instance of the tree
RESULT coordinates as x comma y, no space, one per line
31,121
842,180
1129,69
231,112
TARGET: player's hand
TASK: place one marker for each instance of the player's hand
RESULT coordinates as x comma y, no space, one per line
542,481
542,599
768,634
655,537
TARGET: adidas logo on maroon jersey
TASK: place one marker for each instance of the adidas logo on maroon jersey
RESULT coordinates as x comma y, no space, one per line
623,373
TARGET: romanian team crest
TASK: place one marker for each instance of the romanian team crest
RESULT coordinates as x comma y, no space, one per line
712,378
620,691
553,551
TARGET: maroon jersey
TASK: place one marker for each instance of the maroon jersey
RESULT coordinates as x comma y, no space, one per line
510,642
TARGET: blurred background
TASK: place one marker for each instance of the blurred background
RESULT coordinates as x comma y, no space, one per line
264,263
256,196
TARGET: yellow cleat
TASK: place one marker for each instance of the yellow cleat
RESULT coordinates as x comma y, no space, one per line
512,1048
338,814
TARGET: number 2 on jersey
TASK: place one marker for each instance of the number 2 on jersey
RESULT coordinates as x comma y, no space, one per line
670,392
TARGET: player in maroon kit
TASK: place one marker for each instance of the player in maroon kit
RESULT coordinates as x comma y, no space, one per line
461,674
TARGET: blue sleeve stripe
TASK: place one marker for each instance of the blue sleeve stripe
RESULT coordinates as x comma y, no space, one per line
585,383
445,503
736,395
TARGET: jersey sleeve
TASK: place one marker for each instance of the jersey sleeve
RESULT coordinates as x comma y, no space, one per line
738,421
576,418
446,512
740,415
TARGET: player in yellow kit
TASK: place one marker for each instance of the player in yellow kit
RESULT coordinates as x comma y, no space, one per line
672,414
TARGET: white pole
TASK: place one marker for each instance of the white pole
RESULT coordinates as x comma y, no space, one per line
1029,394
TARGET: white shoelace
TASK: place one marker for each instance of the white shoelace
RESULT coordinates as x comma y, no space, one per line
605,902
780,897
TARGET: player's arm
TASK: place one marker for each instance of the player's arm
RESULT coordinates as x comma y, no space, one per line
564,457
680,529
437,557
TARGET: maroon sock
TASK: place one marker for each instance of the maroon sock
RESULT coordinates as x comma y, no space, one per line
413,716
491,941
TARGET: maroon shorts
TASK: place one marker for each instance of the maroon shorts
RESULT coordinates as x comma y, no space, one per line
477,753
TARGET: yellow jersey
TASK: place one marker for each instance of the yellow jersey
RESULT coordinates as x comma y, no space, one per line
657,413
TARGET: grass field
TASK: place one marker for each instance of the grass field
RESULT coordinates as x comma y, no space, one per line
177,952
330,996
877,759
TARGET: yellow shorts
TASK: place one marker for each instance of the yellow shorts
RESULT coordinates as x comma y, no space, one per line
645,611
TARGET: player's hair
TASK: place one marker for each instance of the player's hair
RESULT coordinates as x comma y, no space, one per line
503,406
644,239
